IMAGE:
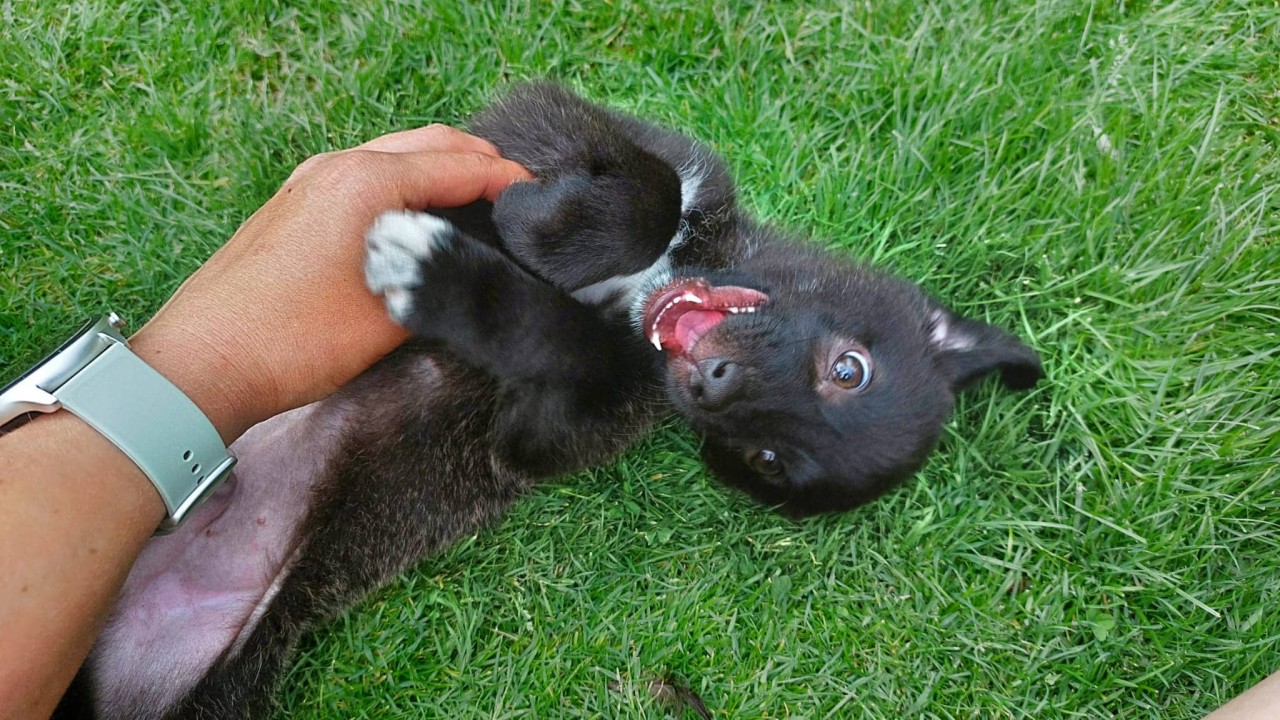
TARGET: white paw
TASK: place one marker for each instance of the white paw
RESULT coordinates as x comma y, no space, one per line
395,248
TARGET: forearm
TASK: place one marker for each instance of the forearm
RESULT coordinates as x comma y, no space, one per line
71,530
205,370
75,512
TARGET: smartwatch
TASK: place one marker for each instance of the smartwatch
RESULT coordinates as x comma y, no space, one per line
95,376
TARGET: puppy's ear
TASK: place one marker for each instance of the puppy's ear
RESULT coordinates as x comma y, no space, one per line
967,350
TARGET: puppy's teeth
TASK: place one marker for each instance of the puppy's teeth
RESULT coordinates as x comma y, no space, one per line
734,310
690,297
656,340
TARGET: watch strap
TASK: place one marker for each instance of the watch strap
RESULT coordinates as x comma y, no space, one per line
142,413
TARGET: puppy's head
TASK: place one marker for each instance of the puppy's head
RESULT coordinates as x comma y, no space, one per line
817,385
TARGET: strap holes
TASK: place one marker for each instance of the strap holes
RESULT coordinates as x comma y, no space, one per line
195,468
186,455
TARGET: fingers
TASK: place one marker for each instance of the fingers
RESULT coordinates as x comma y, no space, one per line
433,166
439,138
450,179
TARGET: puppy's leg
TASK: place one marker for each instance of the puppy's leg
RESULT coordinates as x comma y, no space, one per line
602,206
413,473
580,230
328,502
614,197
565,375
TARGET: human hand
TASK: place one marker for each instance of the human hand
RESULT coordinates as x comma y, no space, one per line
280,316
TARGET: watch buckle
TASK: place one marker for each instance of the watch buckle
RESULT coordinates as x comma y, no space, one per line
197,496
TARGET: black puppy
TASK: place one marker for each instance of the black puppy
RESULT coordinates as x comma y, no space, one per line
552,330
815,384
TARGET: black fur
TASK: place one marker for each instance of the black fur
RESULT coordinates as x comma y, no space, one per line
835,451
521,371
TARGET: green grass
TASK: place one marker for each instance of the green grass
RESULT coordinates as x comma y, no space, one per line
1100,176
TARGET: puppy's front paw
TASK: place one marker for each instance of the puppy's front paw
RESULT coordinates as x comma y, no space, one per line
396,247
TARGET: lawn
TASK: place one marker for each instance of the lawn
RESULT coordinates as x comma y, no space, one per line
1102,177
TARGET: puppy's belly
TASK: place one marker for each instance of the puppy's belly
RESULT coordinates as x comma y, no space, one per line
201,590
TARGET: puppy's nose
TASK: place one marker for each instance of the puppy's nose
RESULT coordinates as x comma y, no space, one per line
716,383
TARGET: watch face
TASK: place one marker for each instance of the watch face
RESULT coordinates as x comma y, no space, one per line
22,419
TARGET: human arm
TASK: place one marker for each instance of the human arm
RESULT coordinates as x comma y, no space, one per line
277,318
1259,702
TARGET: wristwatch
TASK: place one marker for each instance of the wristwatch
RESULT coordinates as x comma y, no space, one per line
98,378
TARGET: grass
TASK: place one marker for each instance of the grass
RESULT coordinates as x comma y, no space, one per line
1101,176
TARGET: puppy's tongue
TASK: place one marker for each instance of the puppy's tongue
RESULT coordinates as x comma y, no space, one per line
677,315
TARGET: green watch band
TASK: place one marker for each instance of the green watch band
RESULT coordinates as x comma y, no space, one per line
141,412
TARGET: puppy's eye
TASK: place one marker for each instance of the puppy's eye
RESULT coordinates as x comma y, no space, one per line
852,371
765,462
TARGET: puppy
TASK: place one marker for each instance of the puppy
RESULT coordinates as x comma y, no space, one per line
551,330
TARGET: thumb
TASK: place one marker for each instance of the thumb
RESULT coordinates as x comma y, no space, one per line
450,179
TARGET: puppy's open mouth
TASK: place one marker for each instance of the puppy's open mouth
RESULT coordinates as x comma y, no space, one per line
678,314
